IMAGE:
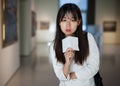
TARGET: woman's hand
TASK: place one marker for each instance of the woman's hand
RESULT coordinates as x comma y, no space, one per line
72,75
69,55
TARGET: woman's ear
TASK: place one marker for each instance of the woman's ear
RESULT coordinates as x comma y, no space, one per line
79,21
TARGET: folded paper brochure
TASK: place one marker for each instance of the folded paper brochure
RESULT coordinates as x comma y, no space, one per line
70,42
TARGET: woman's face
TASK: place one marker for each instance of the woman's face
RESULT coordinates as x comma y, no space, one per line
69,25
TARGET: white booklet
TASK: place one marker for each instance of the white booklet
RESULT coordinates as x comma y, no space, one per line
70,42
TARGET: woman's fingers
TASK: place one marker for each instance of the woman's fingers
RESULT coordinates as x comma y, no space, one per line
69,50
69,53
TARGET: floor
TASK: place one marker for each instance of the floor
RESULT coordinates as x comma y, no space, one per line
110,65
36,70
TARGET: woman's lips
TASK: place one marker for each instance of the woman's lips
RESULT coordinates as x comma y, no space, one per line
68,30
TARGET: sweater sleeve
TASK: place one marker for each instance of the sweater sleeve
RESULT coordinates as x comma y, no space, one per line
57,66
92,62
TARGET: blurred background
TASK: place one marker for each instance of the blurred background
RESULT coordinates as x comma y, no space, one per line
27,28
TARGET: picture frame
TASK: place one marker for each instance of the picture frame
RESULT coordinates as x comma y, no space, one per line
109,26
34,24
9,22
44,25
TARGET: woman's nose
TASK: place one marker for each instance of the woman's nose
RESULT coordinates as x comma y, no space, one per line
68,22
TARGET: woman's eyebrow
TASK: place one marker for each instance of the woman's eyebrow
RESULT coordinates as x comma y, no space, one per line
68,17
64,17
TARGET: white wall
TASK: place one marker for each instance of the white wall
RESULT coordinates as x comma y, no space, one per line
9,62
106,10
0,46
33,39
9,58
46,11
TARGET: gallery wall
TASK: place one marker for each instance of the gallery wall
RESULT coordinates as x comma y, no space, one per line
9,57
33,38
0,45
46,11
108,10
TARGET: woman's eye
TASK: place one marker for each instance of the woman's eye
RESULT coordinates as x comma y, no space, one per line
64,20
73,20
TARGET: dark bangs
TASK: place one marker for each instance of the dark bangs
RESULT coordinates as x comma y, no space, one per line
69,9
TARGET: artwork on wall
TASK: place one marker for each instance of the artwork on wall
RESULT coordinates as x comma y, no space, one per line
34,23
109,26
44,25
9,22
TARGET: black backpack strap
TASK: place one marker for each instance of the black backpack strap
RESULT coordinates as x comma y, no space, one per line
98,79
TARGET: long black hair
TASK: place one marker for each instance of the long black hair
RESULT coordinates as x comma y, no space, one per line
81,55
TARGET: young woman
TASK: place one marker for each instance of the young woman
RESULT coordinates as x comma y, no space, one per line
74,68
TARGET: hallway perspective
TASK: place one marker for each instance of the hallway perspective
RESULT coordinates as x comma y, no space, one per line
36,70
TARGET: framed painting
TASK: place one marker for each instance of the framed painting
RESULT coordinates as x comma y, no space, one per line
44,25
109,26
34,24
9,22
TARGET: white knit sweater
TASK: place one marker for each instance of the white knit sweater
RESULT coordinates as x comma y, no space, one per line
85,72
